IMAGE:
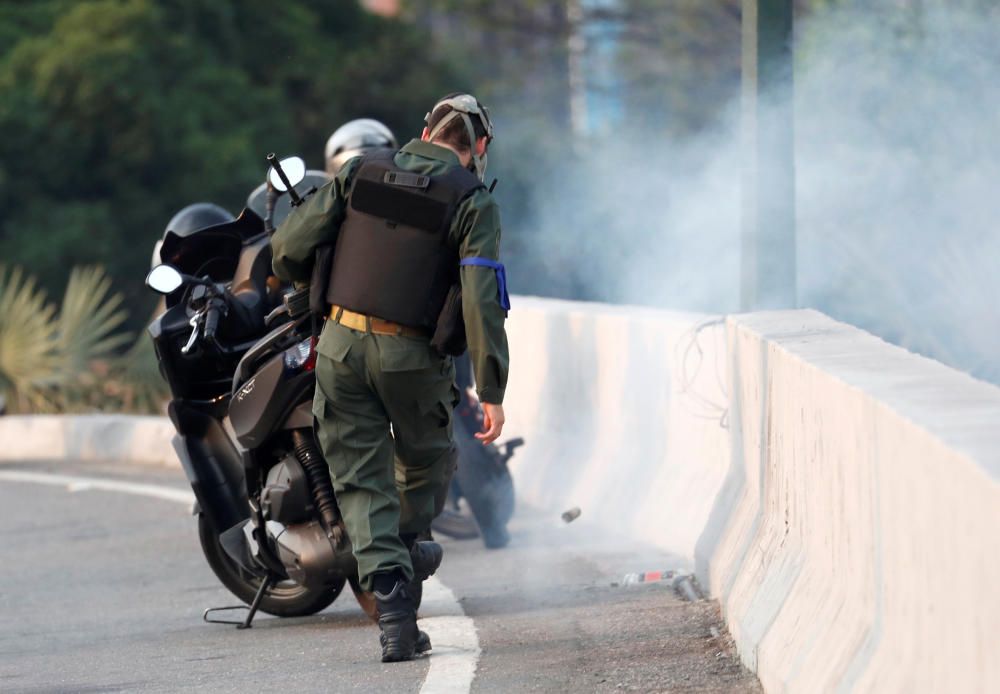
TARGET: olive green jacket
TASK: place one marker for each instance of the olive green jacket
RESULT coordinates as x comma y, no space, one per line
475,231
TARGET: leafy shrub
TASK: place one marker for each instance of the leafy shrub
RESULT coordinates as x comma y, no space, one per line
71,360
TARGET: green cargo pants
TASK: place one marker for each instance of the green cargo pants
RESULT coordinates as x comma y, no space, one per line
383,408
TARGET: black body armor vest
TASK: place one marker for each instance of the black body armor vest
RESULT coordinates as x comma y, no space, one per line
392,258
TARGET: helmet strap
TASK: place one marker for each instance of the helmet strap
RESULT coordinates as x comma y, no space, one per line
478,160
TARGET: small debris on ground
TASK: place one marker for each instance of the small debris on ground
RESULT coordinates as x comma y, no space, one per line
646,577
685,586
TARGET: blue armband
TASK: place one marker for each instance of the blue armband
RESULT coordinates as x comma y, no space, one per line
501,277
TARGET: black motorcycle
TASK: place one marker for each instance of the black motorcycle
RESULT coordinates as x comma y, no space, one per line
268,519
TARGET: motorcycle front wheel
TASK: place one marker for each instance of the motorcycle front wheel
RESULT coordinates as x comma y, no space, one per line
286,599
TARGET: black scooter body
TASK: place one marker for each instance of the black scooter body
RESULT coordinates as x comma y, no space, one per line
237,253
268,519
269,397
212,465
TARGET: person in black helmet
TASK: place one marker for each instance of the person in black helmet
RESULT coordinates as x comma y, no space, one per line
408,226
190,219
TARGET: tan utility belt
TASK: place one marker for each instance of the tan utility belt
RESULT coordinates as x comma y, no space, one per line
371,324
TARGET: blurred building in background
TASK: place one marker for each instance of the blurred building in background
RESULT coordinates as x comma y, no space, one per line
386,8
602,74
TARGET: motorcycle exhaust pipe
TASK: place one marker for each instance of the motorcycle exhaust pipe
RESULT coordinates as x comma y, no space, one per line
318,476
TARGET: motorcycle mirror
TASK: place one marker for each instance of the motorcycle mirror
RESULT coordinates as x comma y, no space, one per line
164,279
295,172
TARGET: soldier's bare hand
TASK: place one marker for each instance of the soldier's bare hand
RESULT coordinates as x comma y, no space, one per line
493,420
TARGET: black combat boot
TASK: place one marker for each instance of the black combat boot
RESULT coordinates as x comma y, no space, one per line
397,621
425,557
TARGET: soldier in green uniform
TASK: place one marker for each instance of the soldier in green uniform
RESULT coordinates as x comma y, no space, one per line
409,226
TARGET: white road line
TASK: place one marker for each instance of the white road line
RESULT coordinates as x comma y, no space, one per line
79,484
455,653
455,646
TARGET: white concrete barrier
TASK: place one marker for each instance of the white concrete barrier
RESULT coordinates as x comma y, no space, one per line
856,543
143,440
623,410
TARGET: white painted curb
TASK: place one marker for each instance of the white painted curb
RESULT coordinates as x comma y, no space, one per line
141,440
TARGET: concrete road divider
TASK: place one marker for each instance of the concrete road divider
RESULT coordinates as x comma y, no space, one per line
142,440
623,411
855,544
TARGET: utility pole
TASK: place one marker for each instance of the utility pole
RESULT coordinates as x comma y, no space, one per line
768,232
576,49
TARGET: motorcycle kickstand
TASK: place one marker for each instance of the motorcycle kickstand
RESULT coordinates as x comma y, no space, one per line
265,585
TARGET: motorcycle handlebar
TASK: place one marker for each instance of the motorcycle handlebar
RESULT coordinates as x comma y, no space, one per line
211,321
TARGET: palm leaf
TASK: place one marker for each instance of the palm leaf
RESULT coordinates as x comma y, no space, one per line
87,338
89,319
29,355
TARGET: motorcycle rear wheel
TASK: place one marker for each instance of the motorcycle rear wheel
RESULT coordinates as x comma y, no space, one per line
487,486
452,523
286,599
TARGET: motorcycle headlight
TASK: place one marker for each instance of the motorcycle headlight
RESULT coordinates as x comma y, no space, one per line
301,357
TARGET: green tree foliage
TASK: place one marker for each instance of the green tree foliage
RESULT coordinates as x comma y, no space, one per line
116,113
